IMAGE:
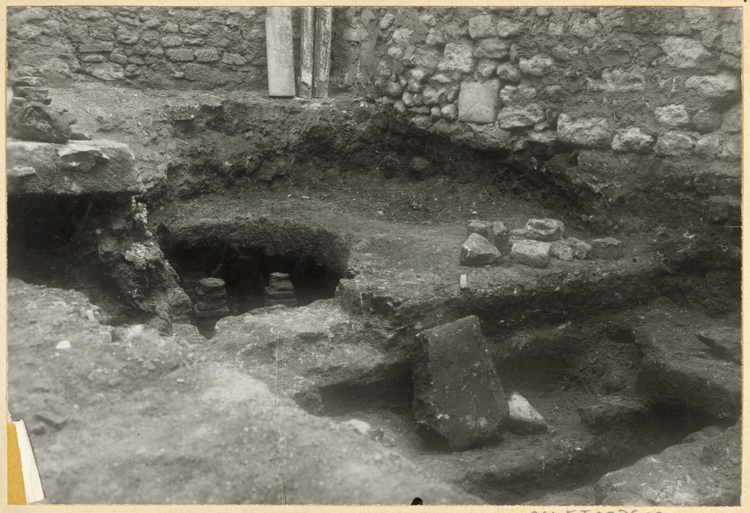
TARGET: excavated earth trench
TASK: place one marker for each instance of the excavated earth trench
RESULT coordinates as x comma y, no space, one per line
604,350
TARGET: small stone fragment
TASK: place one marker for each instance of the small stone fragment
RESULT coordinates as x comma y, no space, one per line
674,116
449,112
531,253
52,419
80,157
633,139
360,426
386,21
707,121
683,52
477,251
675,144
508,72
513,117
63,344
79,136
463,282
457,57
523,419
607,248
508,28
481,26
394,89
538,65
32,94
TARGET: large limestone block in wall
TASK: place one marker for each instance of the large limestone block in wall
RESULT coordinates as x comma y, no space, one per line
457,393
478,101
75,168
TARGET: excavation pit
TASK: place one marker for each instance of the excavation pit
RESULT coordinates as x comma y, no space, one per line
438,121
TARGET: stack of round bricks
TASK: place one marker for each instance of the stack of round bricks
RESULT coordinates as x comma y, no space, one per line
280,291
212,299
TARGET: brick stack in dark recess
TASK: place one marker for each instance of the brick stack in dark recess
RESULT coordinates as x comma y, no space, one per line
280,291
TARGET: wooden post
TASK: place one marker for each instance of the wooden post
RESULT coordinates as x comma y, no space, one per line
280,51
307,65
323,25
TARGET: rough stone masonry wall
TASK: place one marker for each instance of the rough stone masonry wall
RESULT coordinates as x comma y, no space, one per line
159,47
642,80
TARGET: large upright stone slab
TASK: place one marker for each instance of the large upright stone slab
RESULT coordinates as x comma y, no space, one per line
478,101
75,168
457,393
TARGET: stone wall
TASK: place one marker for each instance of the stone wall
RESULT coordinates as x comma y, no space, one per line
159,47
663,81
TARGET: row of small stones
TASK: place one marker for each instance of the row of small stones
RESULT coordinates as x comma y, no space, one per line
532,245
724,145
